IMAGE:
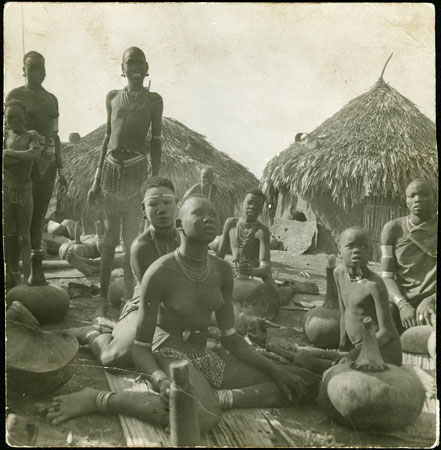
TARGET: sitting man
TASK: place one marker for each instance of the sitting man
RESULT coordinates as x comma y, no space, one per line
172,324
250,245
408,259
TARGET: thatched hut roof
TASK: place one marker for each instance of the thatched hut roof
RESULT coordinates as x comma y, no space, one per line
374,146
184,152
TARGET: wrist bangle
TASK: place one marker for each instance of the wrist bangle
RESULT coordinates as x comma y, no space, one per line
401,302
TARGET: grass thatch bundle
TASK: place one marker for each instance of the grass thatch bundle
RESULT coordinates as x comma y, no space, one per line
372,147
184,152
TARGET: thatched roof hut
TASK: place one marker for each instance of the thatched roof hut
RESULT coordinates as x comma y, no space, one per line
353,168
184,152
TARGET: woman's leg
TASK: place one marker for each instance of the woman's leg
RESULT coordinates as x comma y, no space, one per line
253,388
24,219
130,229
12,244
113,215
42,189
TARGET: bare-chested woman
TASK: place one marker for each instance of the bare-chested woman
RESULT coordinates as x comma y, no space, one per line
114,348
250,245
123,166
179,292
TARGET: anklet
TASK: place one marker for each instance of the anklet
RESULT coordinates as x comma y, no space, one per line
225,398
90,333
101,401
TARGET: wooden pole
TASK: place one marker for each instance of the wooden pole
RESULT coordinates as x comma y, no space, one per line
184,422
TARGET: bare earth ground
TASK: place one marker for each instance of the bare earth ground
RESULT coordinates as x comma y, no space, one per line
302,424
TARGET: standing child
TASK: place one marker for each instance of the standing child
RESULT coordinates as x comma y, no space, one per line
20,149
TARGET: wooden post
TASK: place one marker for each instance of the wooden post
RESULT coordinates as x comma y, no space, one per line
184,422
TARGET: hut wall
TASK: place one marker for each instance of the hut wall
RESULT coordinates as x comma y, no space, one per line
377,212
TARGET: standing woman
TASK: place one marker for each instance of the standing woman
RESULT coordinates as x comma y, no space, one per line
42,116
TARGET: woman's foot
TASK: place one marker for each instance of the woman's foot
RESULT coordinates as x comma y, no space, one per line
81,332
65,407
77,263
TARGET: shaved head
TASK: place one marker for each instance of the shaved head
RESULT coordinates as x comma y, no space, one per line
190,201
420,182
133,50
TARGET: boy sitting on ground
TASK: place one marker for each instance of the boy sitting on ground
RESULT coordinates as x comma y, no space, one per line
361,293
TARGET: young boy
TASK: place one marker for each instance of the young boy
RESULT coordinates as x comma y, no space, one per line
361,293
122,168
20,149
206,187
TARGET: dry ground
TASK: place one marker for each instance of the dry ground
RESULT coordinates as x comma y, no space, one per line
306,424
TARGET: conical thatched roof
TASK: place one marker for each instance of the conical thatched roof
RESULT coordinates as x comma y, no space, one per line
374,146
184,152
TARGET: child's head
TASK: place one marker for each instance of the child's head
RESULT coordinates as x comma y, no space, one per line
355,246
207,175
15,112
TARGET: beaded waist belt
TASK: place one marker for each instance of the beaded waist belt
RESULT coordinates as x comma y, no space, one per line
17,194
123,179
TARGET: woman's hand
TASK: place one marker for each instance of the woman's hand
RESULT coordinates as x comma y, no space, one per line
244,267
407,316
164,390
293,386
93,193
426,312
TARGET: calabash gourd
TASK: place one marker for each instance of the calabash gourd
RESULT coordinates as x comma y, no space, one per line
369,394
47,302
322,324
38,361
415,339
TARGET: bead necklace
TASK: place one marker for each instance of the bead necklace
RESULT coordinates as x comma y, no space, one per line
245,233
194,275
134,102
155,241
410,224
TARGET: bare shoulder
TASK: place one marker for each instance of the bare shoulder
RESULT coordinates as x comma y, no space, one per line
231,222
15,93
376,281
220,265
339,272
160,267
112,94
391,231
263,230
155,97
140,243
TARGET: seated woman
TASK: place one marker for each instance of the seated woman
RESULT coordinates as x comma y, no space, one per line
172,325
249,240
114,347
408,259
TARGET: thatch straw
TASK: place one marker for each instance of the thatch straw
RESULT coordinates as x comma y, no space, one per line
184,152
374,146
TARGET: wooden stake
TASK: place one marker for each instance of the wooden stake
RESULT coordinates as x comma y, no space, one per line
184,422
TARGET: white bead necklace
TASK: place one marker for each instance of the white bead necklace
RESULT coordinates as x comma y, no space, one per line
195,275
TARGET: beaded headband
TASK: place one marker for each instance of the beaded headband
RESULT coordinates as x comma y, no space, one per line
158,196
